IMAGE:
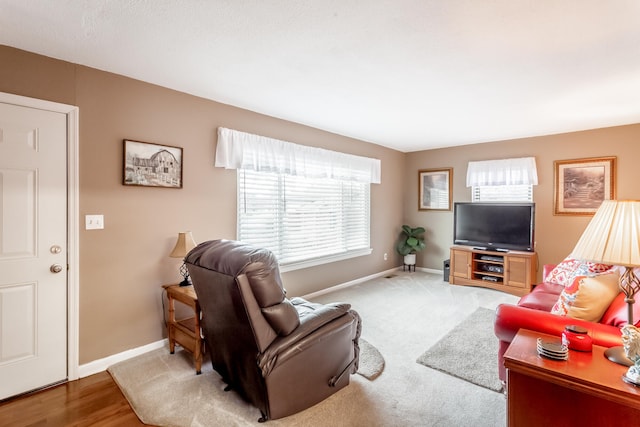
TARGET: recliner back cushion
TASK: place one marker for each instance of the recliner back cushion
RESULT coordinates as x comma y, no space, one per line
263,332
265,283
264,278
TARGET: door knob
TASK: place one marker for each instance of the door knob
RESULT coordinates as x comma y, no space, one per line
55,268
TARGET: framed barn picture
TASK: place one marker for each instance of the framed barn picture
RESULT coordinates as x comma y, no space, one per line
152,165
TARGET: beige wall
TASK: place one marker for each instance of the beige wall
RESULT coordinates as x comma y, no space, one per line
555,235
123,266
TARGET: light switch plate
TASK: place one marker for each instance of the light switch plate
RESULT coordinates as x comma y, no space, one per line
94,222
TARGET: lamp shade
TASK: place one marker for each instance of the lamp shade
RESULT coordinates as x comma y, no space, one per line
184,244
613,235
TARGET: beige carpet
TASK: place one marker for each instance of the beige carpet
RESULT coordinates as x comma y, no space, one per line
468,352
164,390
402,316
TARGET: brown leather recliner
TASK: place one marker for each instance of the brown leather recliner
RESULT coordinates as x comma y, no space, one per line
280,355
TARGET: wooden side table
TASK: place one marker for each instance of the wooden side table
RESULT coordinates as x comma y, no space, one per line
586,390
185,332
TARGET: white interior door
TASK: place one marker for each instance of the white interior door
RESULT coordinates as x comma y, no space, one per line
33,249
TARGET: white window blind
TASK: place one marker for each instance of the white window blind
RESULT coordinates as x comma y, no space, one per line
502,193
503,180
309,206
303,219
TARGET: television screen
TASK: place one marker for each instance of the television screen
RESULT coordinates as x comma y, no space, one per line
494,226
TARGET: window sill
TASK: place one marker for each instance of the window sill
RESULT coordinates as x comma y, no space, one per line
292,266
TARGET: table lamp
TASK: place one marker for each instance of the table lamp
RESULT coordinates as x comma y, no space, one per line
184,244
613,237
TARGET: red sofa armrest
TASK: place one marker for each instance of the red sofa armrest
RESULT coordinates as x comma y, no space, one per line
510,319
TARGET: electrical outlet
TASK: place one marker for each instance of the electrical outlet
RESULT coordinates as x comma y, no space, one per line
94,222
385,256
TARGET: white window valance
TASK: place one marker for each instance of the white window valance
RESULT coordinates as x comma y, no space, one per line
518,171
241,150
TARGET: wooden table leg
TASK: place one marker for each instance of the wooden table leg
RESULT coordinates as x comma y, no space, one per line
172,321
197,354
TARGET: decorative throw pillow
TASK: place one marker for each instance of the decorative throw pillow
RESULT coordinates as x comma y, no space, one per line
565,272
587,298
566,298
595,267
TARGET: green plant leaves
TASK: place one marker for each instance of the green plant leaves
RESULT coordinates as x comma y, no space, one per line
412,242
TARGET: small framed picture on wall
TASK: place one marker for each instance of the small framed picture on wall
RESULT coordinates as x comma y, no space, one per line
434,189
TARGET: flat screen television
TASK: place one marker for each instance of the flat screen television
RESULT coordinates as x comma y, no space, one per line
494,226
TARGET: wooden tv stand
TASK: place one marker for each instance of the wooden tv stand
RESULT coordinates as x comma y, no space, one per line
513,271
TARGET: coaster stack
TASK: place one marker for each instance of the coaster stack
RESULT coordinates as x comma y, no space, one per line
553,349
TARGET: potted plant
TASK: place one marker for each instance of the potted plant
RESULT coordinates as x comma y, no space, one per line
411,242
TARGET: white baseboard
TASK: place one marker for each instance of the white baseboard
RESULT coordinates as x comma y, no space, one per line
101,365
348,284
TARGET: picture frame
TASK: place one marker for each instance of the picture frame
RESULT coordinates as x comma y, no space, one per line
434,189
581,185
151,165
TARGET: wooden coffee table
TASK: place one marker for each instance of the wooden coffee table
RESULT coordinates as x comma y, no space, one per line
586,390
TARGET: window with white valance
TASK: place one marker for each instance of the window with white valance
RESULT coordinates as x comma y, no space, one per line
504,180
308,205
241,150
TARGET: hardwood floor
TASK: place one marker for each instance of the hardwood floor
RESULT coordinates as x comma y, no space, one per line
95,400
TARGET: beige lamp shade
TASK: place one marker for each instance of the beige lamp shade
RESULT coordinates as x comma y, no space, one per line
613,235
184,244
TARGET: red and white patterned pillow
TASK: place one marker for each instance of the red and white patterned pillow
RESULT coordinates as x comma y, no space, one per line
595,267
565,272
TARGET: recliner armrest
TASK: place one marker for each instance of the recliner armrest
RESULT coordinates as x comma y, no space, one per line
313,317
314,314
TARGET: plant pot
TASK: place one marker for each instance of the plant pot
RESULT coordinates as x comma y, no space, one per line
410,259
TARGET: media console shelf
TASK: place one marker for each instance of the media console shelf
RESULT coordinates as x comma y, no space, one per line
513,271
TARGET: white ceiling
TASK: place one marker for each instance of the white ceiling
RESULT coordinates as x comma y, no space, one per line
406,74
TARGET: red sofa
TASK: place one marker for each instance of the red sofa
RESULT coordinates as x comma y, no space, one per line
533,312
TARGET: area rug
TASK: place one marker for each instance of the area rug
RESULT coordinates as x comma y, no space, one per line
469,351
163,390
371,362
